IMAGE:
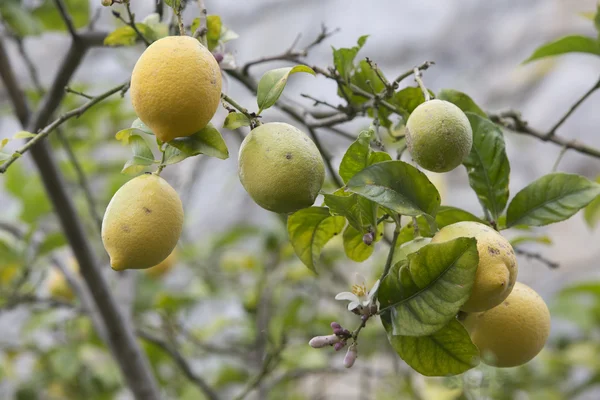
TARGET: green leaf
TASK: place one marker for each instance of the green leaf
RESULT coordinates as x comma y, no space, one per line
354,247
140,126
4,142
551,198
398,186
379,156
23,135
51,242
357,156
408,99
208,141
126,36
29,190
235,120
427,291
367,79
273,82
174,4
359,211
173,155
530,239
567,44
487,165
19,19
227,35
343,59
462,101
124,135
142,155
309,230
591,214
448,351
214,26
51,19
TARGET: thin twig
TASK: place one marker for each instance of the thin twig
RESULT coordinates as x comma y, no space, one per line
62,9
573,108
418,76
131,22
87,96
559,158
537,256
181,362
202,29
50,128
411,71
326,158
250,115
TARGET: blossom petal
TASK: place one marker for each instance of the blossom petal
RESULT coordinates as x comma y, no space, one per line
374,289
349,296
353,305
359,279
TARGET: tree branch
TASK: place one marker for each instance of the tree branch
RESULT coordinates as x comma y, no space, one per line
56,123
62,9
573,108
537,256
181,362
131,22
125,349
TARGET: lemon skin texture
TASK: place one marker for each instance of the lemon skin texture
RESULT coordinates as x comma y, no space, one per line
438,135
176,87
497,269
142,223
514,332
280,167
164,267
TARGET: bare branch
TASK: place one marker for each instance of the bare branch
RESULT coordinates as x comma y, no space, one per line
411,71
418,77
56,123
62,9
131,22
573,108
537,256
181,362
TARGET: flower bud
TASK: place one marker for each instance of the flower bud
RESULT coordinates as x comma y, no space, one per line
219,57
321,341
368,238
335,325
339,345
351,356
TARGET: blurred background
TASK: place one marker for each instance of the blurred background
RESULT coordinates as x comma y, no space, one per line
236,300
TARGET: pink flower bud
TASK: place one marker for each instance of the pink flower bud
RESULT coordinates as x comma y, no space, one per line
351,356
335,325
321,341
338,346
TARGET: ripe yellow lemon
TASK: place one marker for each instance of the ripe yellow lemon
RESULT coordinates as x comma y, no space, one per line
176,87
438,135
497,269
142,223
162,268
281,168
57,284
514,332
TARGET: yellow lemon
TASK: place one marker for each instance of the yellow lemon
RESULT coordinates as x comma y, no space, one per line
497,269
281,168
176,87
142,223
514,332
438,135
57,283
162,268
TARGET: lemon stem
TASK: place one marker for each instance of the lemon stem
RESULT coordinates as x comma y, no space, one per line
251,116
162,161
418,76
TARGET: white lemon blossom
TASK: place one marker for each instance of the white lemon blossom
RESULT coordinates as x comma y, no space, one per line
359,297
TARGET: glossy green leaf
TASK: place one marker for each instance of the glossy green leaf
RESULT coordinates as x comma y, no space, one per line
235,120
518,240
142,155
343,59
19,19
354,247
487,165
208,141
367,79
126,36
408,99
462,101
379,156
359,211
23,135
309,230
51,19
551,198
591,214
428,290
124,135
398,186
213,25
173,155
139,125
567,44
273,82
448,351
174,4
357,156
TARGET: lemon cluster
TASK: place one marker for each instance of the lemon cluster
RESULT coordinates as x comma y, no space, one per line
507,320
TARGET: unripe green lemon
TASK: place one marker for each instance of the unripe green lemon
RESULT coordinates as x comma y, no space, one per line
142,223
281,168
514,332
176,87
497,269
438,135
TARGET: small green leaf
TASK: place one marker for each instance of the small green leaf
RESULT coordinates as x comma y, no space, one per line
309,230
591,214
52,20
124,135
551,198
427,292
462,101
235,120
23,135
139,125
142,155
227,35
126,36
357,156
159,29
174,4
19,19
4,156
448,351
487,165
398,186
354,247
51,242
273,82
379,156
567,44
214,26
359,211
343,59
530,239
408,99
173,155
4,142
208,141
